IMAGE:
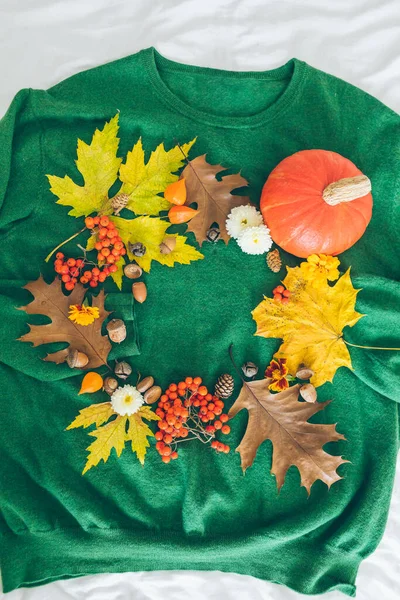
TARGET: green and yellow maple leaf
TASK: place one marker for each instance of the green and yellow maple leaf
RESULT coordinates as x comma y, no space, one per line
98,164
143,182
107,437
311,324
150,231
96,414
115,433
138,432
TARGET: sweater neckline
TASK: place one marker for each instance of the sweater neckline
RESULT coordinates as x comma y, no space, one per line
155,63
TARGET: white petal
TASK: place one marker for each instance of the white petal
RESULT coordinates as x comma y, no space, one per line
126,400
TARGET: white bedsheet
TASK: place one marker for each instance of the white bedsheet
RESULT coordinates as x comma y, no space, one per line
44,41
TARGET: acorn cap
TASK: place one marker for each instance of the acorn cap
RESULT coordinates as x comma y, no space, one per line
76,359
133,271
304,372
168,245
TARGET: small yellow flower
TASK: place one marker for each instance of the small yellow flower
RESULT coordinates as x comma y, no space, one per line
83,315
319,268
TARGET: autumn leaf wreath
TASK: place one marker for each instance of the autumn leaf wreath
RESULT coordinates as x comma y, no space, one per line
126,232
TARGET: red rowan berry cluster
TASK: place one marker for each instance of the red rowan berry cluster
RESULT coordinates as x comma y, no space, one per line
110,248
109,245
280,294
188,411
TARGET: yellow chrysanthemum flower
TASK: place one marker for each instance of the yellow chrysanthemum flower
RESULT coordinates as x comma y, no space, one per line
319,268
83,315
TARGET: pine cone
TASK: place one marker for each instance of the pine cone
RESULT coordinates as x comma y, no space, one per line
119,202
224,386
274,260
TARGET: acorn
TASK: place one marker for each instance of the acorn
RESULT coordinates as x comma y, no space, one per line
138,249
308,393
110,385
152,394
249,369
304,373
168,245
76,359
145,384
122,370
116,330
213,234
139,291
133,271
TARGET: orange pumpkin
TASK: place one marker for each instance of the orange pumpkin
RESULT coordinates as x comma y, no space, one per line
316,201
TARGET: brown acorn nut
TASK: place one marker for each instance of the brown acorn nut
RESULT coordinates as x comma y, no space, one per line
76,359
168,245
304,373
145,384
110,385
152,394
116,330
308,393
133,271
249,369
139,291
122,369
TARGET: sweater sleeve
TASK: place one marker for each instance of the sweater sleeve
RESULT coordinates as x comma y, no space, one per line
379,281
20,153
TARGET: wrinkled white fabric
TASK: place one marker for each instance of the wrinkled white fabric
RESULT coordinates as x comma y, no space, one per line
45,41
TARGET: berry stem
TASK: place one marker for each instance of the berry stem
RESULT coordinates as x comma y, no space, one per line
62,244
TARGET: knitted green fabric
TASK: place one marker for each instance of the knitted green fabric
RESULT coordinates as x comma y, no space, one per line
197,512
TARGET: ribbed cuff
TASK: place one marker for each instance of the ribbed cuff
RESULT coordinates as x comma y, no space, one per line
31,559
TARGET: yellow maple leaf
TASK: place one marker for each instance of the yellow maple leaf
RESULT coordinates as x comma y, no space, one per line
138,432
96,414
150,231
143,182
311,324
98,164
115,433
107,437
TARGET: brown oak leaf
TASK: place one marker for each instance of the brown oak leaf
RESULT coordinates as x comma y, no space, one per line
50,300
282,419
212,196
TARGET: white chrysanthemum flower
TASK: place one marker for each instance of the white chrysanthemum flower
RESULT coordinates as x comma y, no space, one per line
126,400
255,240
242,217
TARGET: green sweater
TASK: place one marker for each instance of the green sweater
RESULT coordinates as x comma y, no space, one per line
197,512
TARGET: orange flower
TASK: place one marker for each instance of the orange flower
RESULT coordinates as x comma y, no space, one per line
277,371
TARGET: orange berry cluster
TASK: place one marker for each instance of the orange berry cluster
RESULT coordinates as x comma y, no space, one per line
280,294
110,248
109,245
188,408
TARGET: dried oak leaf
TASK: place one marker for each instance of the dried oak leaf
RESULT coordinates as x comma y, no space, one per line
282,419
49,300
212,196
311,324
115,433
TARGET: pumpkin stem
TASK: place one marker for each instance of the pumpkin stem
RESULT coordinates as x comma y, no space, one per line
346,189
